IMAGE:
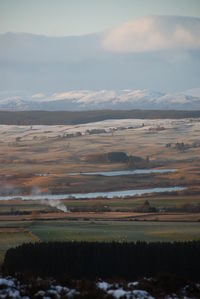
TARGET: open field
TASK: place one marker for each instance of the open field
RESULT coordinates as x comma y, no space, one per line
118,231
96,230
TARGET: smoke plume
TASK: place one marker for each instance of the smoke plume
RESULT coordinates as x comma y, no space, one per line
55,203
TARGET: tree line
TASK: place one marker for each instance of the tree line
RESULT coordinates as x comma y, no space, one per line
92,260
30,118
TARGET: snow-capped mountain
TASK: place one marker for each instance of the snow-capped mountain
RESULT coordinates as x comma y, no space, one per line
103,99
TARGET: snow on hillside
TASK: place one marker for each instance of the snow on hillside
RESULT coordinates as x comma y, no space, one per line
102,99
195,92
28,133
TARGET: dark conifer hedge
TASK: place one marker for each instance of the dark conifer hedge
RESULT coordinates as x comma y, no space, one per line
105,260
82,117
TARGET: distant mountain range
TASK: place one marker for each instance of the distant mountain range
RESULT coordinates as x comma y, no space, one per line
154,52
81,100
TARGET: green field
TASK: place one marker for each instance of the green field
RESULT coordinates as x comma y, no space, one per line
96,231
116,231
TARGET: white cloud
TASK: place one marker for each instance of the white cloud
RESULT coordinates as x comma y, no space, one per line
38,95
153,34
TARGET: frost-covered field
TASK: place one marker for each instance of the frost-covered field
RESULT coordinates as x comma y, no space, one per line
11,132
11,287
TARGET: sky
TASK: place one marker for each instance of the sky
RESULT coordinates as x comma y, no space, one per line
79,17
139,44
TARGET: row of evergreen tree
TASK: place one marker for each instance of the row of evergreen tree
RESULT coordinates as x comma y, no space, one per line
80,117
105,260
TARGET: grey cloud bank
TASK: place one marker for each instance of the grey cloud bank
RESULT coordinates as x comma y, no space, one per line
156,53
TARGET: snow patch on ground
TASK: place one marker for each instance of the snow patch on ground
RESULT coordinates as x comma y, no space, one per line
11,288
119,292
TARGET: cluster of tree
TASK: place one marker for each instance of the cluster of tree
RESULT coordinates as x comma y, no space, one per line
181,146
71,135
157,129
113,157
79,117
138,162
15,212
146,208
119,157
96,131
82,260
91,208
187,208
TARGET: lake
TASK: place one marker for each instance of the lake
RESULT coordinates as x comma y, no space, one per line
125,172
109,194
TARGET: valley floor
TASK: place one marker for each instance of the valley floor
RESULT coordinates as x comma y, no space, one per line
41,159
